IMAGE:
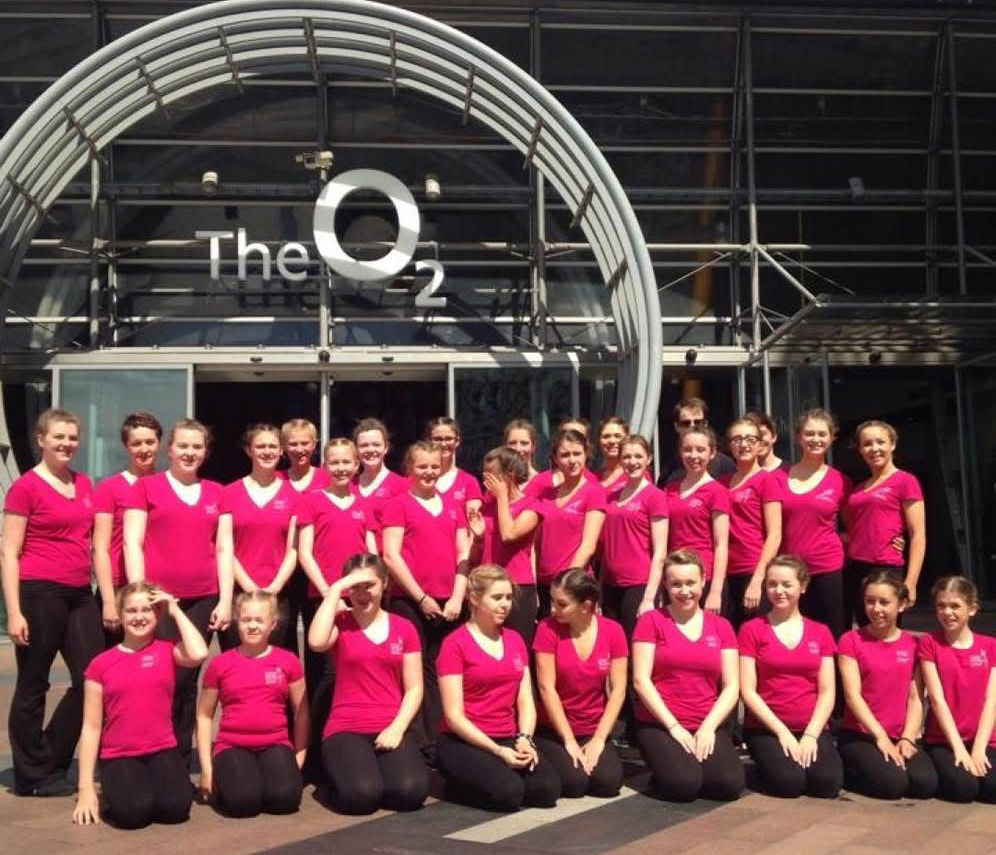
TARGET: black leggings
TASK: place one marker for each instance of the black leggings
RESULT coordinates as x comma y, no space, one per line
198,611
431,633
679,777
735,613
319,679
296,591
364,779
248,782
488,782
522,618
782,776
60,620
149,788
824,601
622,604
957,785
605,778
867,772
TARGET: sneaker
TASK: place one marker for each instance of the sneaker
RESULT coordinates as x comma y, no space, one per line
52,786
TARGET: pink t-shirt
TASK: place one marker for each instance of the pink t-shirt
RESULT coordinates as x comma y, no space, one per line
179,538
690,523
260,533
964,677
874,517
787,679
747,531
688,675
369,681
464,488
253,694
138,699
809,523
391,486
56,544
339,534
562,527
627,545
490,686
581,682
543,481
109,498
614,487
886,669
429,543
516,557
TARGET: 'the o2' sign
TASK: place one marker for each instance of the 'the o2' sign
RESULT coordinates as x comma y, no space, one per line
292,258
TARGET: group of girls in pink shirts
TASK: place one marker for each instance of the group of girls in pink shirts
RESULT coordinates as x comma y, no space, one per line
411,656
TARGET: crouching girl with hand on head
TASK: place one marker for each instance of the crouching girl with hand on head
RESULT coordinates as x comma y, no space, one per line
127,717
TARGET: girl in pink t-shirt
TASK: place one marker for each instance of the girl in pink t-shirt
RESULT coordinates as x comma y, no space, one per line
812,498
787,686
699,511
959,671
375,483
685,676
581,662
444,433
755,522
486,748
127,716
252,767
878,735
257,530
369,755
882,513
140,435
634,539
520,436
612,476
170,531
48,515
504,534
572,513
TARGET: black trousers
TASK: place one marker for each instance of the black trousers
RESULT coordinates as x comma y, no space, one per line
296,591
866,771
782,776
824,601
364,779
679,777
957,785
61,620
198,611
111,636
431,633
735,613
621,605
247,782
605,778
522,618
543,590
319,679
488,782
144,789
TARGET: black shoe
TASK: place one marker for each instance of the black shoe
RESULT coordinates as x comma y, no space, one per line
52,786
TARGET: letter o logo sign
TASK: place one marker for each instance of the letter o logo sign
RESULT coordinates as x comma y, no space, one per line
409,225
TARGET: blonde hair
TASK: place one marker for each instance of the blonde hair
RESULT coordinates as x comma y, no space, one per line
483,576
288,427
55,414
190,424
142,587
257,596
419,445
339,442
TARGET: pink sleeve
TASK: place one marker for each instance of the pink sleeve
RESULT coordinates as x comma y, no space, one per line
911,490
926,649
747,640
848,644
846,486
720,499
413,644
103,498
392,514
211,675
473,489
727,638
646,628
450,659
657,504
618,648
20,499
827,646
545,640
305,512
596,498
294,670
461,515
95,670
226,505
137,498
771,489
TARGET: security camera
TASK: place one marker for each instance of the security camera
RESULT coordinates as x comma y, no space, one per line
432,189
690,356
209,183
324,355
315,160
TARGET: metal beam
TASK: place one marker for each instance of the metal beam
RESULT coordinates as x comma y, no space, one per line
956,157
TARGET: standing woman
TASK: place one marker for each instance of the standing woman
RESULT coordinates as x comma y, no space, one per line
486,748
811,502
127,717
426,545
253,768
883,692
369,756
48,515
375,483
878,512
959,671
572,514
755,522
520,436
506,529
699,508
611,434
634,539
140,435
444,433
170,531
787,685
578,654
685,675
257,527
770,462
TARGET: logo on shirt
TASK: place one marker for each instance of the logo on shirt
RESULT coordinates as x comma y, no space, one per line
87,503
827,496
903,657
978,660
357,515
397,647
273,677
813,647
696,503
883,493
742,496
517,663
211,510
148,660
603,664
712,641
281,505
459,495
573,507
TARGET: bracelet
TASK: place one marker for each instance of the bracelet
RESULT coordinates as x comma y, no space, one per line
422,599
814,738
904,739
526,736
